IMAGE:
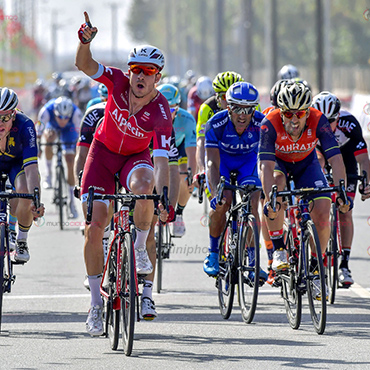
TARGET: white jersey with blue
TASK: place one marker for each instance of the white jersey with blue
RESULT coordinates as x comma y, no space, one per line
237,152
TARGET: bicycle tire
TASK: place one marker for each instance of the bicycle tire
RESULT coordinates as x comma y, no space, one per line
159,241
59,194
2,267
317,305
128,293
332,255
112,315
290,293
226,281
248,287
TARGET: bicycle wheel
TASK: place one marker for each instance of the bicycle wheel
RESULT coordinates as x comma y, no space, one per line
60,194
226,278
249,266
331,266
316,288
128,293
2,267
112,313
159,242
290,292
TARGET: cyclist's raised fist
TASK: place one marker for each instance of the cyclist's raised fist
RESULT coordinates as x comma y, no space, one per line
87,32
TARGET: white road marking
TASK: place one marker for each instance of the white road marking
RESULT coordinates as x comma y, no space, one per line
360,291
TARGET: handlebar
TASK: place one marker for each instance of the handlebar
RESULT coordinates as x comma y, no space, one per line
362,178
189,177
201,181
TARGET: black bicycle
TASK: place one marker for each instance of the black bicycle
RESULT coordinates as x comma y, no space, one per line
239,255
306,271
60,195
7,277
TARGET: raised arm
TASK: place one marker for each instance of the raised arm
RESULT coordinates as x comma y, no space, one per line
84,60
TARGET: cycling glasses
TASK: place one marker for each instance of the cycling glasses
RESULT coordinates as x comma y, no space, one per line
61,117
299,114
174,108
221,96
148,71
331,120
7,117
237,109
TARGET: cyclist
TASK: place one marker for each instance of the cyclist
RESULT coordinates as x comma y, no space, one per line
18,159
184,126
287,145
136,113
231,143
198,94
287,72
211,106
103,92
347,131
274,92
60,117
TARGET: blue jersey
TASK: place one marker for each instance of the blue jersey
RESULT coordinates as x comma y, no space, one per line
237,152
184,125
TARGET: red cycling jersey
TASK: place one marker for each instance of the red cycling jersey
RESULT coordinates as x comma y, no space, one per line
194,101
127,134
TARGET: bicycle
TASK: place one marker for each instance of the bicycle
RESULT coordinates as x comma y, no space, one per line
301,239
60,196
239,255
334,249
120,282
7,277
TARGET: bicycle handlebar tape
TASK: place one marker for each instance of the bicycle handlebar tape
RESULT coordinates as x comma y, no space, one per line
201,179
36,197
90,201
165,198
273,197
220,190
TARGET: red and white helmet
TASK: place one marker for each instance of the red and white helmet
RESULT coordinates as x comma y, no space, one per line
146,54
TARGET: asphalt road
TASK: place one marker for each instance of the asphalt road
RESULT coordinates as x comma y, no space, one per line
44,316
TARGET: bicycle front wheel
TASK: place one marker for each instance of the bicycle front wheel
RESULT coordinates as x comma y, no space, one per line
128,293
331,266
112,314
316,288
2,267
292,296
226,278
60,194
249,266
159,242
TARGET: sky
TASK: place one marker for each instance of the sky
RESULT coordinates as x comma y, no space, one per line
68,18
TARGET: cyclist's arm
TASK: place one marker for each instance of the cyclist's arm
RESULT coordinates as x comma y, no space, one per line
363,160
213,169
81,155
338,169
161,173
32,177
173,193
267,177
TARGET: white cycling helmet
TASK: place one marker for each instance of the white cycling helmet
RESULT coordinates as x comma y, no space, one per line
8,100
63,107
146,54
287,72
328,104
294,96
204,87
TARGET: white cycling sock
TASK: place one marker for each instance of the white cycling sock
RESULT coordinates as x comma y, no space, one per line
147,290
94,282
141,236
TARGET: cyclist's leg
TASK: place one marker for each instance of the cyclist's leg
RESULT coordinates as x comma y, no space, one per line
50,135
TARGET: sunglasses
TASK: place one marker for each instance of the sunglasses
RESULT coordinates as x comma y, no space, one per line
148,71
331,120
174,109
299,114
221,96
7,118
62,117
241,110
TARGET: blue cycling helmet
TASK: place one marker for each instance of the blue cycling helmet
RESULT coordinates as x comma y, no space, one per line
242,93
103,91
171,93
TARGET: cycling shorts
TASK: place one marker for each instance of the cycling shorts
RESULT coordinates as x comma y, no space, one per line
305,175
68,134
13,169
102,164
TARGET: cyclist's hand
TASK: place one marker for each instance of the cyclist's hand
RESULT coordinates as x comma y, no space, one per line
344,207
196,178
268,211
214,205
87,32
366,192
163,215
37,212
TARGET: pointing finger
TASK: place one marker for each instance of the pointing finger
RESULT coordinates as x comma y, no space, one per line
87,19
